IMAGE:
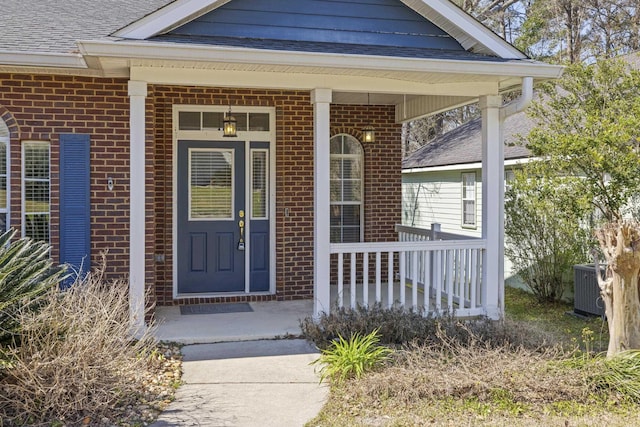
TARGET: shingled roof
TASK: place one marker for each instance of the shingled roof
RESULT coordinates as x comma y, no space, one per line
51,26
463,145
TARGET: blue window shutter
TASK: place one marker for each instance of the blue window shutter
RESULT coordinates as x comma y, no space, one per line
75,203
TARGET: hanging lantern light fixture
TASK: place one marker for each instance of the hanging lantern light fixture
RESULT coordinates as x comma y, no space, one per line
229,125
368,132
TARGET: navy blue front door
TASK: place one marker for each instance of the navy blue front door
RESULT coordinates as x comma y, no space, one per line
211,217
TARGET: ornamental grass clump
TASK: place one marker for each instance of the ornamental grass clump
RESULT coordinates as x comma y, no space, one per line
345,359
77,362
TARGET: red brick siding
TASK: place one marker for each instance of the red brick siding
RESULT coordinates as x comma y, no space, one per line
43,107
40,107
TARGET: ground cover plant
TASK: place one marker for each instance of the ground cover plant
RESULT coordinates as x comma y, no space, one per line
538,367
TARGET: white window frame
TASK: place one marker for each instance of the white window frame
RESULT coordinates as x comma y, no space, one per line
5,138
25,146
360,157
465,197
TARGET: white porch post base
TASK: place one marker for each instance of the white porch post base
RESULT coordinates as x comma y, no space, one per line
321,99
492,205
137,95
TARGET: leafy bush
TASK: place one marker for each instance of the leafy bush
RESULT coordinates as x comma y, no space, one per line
351,358
26,273
77,359
544,236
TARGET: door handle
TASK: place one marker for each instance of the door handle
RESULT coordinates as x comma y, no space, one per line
241,226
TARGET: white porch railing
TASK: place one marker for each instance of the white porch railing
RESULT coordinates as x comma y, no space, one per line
420,271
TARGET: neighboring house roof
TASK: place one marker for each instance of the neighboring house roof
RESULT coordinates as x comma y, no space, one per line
463,145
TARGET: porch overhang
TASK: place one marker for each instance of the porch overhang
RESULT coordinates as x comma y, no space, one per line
416,86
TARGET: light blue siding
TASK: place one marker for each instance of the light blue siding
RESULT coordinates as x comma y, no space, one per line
429,197
366,22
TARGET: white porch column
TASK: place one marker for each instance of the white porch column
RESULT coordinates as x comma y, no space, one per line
137,196
321,99
492,204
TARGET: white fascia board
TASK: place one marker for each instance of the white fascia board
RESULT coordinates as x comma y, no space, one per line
167,18
466,23
170,52
38,59
465,166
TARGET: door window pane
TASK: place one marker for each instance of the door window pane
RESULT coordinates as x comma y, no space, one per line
212,120
259,174
211,184
189,120
258,121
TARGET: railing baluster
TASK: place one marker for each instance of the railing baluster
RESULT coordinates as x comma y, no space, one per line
365,279
438,276
414,279
352,288
402,256
390,279
340,280
450,280
378,277
426,257
474,274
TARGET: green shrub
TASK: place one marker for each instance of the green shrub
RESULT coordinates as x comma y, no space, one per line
26,273
351,358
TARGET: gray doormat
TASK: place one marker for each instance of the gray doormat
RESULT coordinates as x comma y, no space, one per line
241,307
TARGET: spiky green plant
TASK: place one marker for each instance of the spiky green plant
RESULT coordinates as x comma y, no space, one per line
620,373
345,359
26,273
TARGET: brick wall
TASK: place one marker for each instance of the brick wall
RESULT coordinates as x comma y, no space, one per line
40,107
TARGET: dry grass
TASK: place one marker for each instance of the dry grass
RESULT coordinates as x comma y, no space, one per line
77,361
484,374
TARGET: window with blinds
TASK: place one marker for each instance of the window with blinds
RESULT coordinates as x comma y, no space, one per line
211,184
346,189
468,199
4,167
259,190
36,190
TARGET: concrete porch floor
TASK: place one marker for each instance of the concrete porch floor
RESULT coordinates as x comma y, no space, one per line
268,320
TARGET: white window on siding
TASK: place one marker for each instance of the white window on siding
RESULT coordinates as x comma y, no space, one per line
4,184
347,205
469,199
35,190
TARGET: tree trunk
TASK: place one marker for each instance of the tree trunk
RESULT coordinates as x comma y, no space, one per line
620,243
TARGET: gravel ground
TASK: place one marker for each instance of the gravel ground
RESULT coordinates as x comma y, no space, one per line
159,391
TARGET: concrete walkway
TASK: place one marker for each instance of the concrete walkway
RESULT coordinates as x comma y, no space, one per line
245,384
267,320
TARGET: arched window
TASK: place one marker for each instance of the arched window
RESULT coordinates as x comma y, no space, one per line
4,185
347,189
